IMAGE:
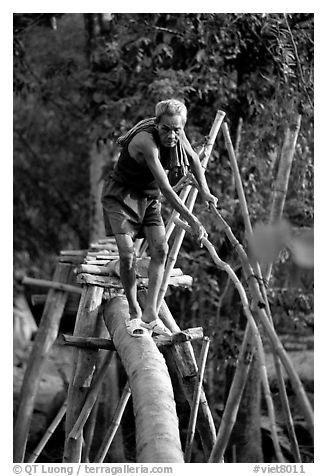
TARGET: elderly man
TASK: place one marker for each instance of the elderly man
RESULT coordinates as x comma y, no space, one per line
132,208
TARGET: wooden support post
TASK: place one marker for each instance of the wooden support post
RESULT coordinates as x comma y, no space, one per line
47,333
84,366
196,400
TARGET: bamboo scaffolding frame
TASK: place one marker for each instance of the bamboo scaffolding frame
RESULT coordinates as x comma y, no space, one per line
49,432
246,308
112,430
196,400
280,200
266,322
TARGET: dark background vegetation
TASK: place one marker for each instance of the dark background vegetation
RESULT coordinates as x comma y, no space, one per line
81,80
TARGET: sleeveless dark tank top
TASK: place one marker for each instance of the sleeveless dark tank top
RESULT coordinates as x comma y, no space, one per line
138,176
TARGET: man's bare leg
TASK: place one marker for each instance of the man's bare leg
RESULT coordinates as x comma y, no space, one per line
158,249
127,273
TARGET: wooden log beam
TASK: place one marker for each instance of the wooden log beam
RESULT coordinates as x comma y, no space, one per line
157,433
112,269
71,259
113,282
184,361
195,333
88,342
80,253
45,337
52,285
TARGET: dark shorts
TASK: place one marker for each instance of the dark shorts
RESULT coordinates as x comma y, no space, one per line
127,212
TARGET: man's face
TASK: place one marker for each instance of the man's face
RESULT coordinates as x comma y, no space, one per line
169,129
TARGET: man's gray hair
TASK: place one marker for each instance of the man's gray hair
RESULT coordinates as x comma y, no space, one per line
171,107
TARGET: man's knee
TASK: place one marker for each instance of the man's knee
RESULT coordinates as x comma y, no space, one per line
127,256
159,252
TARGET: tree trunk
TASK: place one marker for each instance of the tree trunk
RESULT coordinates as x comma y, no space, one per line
97,162
157,433
97,26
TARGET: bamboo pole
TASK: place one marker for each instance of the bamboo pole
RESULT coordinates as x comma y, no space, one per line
234,398
84,363
46,335
49,432
276,212
91,398
52,285
112,430
88,432
196,400
284,170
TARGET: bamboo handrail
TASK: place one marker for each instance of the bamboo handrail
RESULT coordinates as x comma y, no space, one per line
189,204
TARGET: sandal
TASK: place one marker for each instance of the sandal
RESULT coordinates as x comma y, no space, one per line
157,326
134,327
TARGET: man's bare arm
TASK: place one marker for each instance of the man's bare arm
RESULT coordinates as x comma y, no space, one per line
198,171
146,147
